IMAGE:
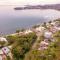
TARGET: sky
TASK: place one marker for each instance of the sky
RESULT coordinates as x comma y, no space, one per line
23,2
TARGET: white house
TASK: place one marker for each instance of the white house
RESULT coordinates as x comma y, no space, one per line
3,39
28,31
46,40
5,50
48,25
43,45
48,34
57,28
1,54
53,23
53,29
39,29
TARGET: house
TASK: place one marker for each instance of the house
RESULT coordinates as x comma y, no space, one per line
43,45
39,29
46,40
3,39
13,34
57,28
49,40
7,52
28,31
48,25
1,54
21,33
57,23
53,23
53,29
4,52
48,34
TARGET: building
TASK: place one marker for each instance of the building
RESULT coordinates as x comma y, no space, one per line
7,52
3,39
53,29
57,28
28,31
39,29
1,54
43,45
53,23
48,35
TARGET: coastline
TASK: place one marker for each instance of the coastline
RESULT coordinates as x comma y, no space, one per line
33,28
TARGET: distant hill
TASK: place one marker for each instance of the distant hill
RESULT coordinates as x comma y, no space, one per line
51,6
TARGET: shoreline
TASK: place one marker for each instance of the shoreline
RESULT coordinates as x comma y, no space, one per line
32,27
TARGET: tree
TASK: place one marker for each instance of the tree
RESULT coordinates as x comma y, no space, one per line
2,43
23,45
11,39
35,26
50,22
17,31
40,55
33,55
18,52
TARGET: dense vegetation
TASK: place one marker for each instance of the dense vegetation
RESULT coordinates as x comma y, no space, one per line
22,46
52,53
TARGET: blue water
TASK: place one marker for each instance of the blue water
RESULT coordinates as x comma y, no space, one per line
10,20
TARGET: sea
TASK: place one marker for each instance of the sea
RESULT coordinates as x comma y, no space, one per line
11,20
